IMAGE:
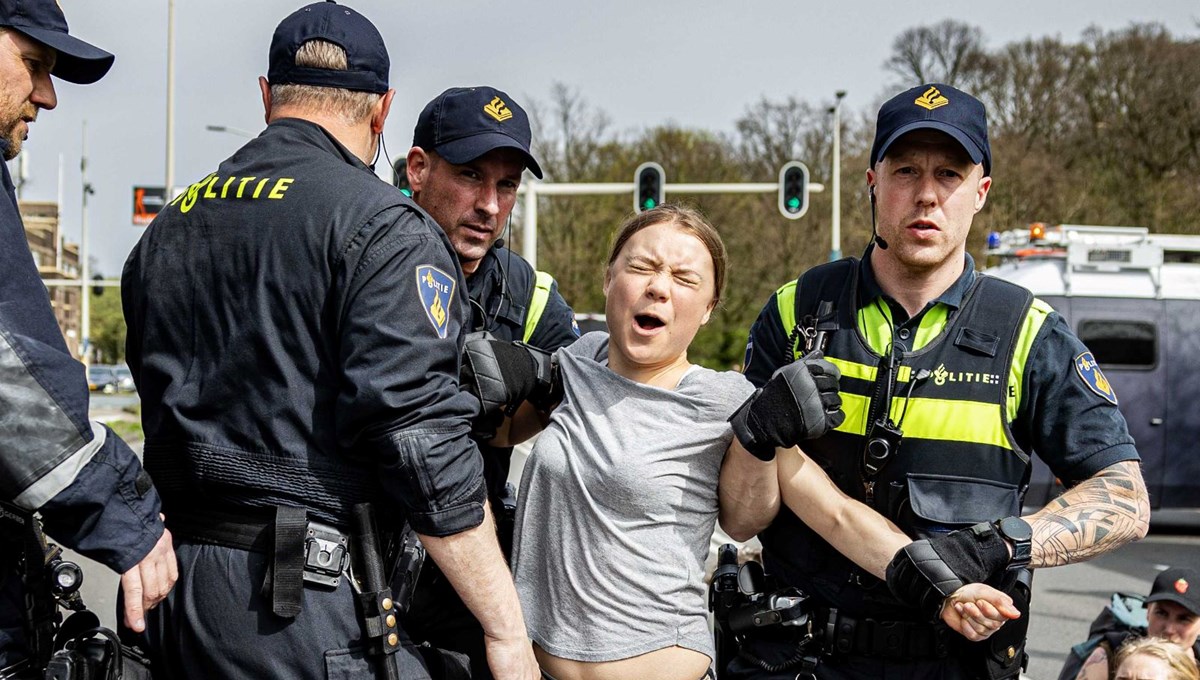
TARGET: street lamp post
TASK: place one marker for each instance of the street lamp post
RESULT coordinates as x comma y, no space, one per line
835,246
85,273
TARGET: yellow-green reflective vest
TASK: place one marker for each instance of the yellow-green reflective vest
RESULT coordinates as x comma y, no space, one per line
537,302
957,464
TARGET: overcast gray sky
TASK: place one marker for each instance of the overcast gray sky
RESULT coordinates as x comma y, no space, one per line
644,62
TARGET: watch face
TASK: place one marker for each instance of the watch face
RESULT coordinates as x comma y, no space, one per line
1016,529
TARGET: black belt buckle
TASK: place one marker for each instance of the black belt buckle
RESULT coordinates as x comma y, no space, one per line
325,555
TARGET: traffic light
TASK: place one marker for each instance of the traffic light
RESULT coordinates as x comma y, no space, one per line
400,175
649,181
793,190
97,290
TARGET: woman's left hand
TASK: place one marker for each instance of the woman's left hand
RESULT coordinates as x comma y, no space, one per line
976,610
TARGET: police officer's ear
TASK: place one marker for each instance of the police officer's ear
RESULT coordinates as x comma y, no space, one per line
419,164
985,185
266,97
380,113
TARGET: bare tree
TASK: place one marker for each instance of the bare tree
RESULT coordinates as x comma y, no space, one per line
949,52
570,131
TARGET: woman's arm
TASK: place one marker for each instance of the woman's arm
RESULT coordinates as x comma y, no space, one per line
523,424
748,493
853,529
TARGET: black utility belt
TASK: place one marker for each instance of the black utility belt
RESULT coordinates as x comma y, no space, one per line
318,552
841,634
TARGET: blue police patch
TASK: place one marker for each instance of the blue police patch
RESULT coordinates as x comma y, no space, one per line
1089,371
436,289
749,354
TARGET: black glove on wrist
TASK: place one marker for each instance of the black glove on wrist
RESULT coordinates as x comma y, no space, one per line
925,572
799,402
504,374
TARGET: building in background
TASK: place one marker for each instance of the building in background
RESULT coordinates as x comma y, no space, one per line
56,260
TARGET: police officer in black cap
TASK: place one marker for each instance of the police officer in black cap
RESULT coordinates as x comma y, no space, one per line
88,486
294,329
470,148
951,380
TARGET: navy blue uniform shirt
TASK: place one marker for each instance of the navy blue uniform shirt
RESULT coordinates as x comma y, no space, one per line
295,327
87,484
81,476
1074,430
500,289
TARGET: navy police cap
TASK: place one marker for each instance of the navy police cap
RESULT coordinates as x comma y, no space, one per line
463,123
366,55
934,107
43,20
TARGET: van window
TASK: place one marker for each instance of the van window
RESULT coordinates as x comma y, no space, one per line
1120,343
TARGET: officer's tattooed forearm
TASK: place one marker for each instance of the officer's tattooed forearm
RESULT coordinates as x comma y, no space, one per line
1097,515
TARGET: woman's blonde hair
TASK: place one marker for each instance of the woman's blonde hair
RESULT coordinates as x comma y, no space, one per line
686,218
1182,666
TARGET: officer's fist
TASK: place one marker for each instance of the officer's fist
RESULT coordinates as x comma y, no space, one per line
502,375
924,572
799,402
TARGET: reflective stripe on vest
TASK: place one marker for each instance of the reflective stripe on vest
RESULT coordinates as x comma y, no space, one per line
875,325
537,303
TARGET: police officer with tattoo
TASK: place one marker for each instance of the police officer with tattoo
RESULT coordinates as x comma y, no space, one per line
950,381
295,326
87,485
470,148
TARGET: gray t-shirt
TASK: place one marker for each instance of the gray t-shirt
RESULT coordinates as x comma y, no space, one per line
618,501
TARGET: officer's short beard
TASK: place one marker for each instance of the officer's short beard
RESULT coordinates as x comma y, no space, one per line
10,125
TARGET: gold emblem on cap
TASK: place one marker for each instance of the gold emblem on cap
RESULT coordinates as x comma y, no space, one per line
497,109
1181,586
932,99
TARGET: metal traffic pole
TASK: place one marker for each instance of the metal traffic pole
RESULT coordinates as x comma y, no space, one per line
532,190
835,245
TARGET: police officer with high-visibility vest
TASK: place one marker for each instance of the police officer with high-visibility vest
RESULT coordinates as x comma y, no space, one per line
295,326
950,381
470,148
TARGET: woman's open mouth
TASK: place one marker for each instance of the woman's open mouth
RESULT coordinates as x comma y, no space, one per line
648,323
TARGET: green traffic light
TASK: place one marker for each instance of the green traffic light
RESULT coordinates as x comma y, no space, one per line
793,203
648,204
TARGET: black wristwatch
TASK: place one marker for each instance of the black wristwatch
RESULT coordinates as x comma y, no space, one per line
1019,535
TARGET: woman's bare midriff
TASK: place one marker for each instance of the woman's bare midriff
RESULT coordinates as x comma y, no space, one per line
669,663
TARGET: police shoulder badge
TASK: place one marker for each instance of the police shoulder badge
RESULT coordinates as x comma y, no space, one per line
436,289
1089,371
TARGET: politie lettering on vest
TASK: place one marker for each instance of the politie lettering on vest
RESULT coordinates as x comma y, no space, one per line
939,429
295,328
206,188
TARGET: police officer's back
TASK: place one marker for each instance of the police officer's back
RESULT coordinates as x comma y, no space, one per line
294,330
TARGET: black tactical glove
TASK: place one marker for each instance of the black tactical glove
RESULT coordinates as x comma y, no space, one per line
799,402
923,573
504,374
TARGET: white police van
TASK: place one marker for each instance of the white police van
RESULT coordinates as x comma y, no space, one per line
1134,299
